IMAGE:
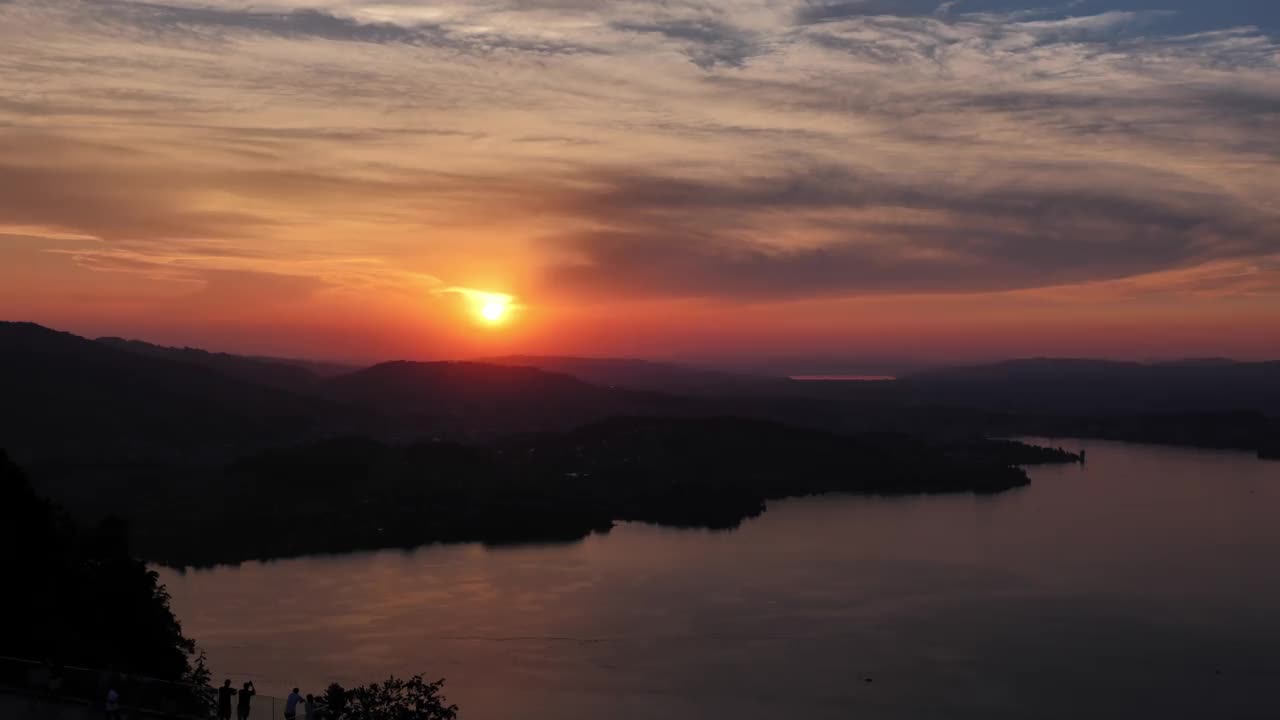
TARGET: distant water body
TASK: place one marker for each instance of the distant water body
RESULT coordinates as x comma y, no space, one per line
1144,585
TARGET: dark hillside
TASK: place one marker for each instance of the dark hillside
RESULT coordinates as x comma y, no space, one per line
68,397
270,373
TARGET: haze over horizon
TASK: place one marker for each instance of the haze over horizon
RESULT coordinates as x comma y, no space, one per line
800,367
738,183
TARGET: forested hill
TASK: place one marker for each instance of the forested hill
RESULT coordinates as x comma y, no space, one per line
355,493
75,400
1075,386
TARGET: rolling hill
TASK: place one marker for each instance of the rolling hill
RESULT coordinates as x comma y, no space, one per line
1057,385
479,399
69,397
652,376
261,371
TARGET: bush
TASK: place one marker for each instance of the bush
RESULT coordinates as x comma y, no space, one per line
393,699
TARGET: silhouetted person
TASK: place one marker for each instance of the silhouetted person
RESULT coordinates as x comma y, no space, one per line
309,710
225,693
1082,454
246,694
291,705
55,679
48,678
113,704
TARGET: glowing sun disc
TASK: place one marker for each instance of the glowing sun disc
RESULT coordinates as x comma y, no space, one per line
494,310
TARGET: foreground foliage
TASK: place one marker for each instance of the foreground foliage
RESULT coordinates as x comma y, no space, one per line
79,597
392,699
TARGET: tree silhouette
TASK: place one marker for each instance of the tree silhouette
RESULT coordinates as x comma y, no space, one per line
80,597
393,699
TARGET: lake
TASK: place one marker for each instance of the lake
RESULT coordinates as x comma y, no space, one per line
1143,584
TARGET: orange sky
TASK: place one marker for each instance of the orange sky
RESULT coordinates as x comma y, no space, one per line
740,182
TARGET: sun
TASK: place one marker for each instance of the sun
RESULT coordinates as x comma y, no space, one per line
494,310
486,308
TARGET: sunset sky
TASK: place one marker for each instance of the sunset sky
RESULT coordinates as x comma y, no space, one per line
799,185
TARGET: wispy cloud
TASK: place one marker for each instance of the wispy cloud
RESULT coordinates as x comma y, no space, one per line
732,149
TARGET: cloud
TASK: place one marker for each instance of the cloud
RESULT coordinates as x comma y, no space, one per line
740,149
490,306
303,23
821,11
707,43
474,295
297,23
1249,277
867,234
115,204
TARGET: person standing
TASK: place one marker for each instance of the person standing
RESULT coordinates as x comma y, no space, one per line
309,709
291,705
113,704
55,679
225,693
246,694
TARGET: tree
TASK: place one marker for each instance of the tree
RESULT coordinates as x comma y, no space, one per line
80,597
335,700
393,699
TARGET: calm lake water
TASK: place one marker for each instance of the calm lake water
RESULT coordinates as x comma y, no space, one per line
1145,584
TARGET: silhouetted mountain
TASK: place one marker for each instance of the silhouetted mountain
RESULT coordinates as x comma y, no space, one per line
481,399
271,373
318,368
1198,362
1089,386
115,400
1240,430
67,397
652,376
130,399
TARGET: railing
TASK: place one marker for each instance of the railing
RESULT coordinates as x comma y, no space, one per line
139,696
